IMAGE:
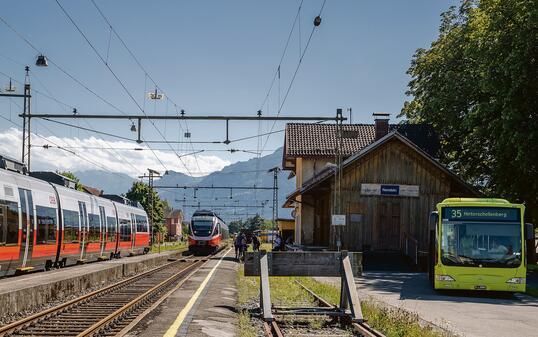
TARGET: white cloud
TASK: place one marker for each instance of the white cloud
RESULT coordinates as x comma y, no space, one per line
113,160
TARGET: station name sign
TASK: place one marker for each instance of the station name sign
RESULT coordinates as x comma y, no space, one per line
390,189
480,214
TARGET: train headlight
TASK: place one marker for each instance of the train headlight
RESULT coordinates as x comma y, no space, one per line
516,280
446,278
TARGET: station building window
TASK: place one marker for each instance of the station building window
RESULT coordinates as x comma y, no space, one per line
71,226
46,224
9,222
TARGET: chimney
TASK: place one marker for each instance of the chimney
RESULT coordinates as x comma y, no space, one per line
381,124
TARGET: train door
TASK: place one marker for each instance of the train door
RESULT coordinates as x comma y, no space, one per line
83,213
103,236
27,225
133,232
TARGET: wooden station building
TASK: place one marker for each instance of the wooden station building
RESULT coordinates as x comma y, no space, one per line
391,183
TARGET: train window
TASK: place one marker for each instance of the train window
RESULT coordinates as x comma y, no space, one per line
9,222
70,226
46,224
95,225
141,224
125,230
111,228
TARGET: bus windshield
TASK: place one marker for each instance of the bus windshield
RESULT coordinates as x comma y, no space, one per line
481,244
202,227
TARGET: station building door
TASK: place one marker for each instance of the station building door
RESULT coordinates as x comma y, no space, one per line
388,223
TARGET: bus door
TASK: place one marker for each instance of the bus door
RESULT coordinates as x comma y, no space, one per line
83,213
27,223
103,232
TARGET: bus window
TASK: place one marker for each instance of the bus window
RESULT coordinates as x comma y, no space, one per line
9,222
111,228
94,228
71,225
46,224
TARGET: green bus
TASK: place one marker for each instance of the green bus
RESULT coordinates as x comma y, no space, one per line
478,244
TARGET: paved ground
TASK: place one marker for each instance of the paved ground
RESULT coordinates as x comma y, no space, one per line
464,313
213,311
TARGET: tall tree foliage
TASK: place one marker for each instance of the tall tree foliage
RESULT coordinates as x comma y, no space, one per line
477,85
140,192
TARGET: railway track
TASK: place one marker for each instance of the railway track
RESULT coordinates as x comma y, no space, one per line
108,311
272,329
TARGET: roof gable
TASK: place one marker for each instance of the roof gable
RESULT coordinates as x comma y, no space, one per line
329,172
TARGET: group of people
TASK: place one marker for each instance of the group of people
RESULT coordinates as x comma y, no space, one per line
241,244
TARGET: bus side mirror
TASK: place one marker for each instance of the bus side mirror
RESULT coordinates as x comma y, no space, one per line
529,231
434,218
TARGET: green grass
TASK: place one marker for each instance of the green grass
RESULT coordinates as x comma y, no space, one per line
169,246
246,329
286,292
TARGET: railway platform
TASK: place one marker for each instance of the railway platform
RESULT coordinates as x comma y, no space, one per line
26,292
203,306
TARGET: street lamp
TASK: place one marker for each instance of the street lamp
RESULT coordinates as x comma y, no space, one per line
41,61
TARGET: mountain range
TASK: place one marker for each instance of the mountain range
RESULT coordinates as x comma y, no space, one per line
230,203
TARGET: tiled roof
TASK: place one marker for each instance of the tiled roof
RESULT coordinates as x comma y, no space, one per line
319,140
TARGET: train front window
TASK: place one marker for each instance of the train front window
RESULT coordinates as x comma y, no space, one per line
9,222
46,224
484,244
202,227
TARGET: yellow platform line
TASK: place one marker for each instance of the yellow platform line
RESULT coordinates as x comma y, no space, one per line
172,330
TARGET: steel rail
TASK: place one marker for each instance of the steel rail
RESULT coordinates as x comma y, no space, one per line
362,329
132,305
272,329
14,325
20,325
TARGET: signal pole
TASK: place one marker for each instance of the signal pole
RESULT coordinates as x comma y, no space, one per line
275,171
26,130
151,174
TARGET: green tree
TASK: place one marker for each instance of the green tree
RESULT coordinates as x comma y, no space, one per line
72,176
140,192
477,86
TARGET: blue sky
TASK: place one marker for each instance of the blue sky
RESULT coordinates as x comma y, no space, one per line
211,58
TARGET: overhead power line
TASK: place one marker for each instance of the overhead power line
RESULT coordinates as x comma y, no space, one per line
122,85
72,77
296,71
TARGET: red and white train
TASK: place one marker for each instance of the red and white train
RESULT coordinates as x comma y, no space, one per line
207,232
45,225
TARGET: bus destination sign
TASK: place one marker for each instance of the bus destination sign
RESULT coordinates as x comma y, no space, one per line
480,214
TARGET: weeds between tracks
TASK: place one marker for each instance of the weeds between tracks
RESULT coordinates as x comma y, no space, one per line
286,292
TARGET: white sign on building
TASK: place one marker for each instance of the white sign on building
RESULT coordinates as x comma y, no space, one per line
390,190
338,220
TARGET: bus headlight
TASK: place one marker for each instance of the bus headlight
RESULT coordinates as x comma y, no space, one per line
516,280
446,278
